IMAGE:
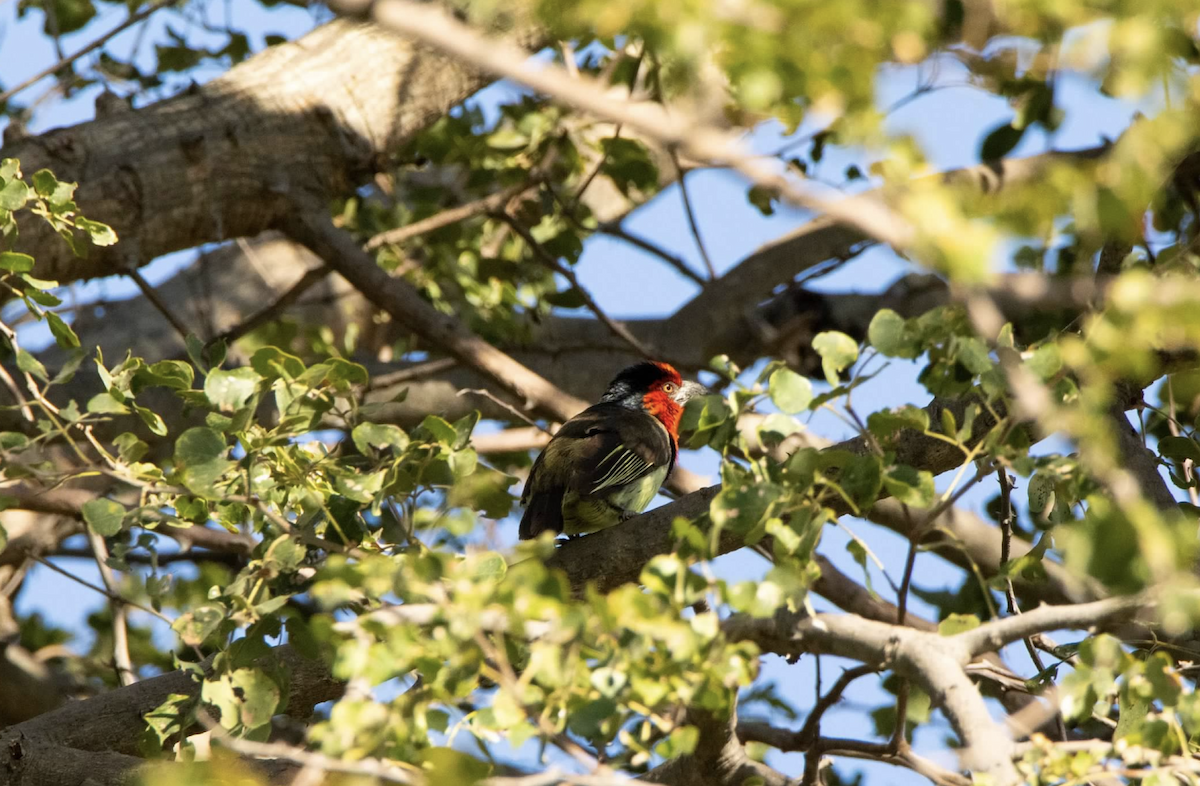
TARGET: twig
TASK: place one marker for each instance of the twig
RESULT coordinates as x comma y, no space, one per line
811,729
155,300
691,217
419,371
310,225
121,660
371,768
15,389
615,230
230,558
101,590
311,277
618,329
1006,522
1189,470
487,204
506,406
130,22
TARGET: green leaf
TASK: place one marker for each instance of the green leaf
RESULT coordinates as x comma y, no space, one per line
13,195
887,423
14,441
378,435
152,420
246,698
958,623
167,720
62,332
17,263
837,350
3,535
791,392
628,164
173,374
101,234
440,430
861,477
31,365
272,363
889,334
230,390
451,767
106,404
104,516
1179,448
44,182
1045,361
196,625
200,458
1000,141
910,486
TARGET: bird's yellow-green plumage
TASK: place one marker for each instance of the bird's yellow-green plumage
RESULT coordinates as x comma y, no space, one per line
609,461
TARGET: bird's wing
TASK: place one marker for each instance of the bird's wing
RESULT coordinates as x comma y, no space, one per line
614,446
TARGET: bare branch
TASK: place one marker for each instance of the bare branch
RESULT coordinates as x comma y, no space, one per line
488,204
934,662
566,272
75,724
401,301
997,633
126,674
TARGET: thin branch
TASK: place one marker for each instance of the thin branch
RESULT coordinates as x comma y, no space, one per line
126,674
233,559
415,372
691,217
487,204
371,768
110,595
619,232
618,329
518,414
156,301
99,42
310,225
997,633
311,278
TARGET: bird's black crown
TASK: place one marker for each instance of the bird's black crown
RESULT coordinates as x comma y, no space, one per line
631,384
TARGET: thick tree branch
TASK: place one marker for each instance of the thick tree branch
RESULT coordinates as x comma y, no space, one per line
113,721
931,661
218,161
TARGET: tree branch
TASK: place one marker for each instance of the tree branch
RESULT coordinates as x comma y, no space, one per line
113,721
311,226
678,129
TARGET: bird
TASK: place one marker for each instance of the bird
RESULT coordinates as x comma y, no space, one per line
608,462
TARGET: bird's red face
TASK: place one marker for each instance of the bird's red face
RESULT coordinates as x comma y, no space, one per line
666,395
655,388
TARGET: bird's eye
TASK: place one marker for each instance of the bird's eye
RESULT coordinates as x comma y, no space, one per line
668,388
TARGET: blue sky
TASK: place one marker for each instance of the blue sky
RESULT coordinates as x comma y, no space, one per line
948,124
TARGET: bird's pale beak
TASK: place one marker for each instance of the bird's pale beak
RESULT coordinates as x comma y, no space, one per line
688,391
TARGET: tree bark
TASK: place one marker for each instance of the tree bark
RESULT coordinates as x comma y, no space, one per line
315,115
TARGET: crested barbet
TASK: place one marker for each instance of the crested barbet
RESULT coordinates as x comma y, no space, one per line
607,463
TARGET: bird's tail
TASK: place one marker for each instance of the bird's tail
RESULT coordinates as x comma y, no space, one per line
542,514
